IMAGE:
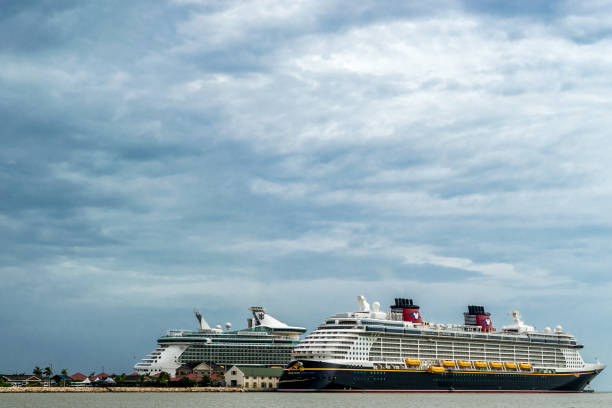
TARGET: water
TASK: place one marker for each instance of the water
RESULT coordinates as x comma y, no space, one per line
281,400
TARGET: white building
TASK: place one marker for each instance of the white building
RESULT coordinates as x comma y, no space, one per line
253,378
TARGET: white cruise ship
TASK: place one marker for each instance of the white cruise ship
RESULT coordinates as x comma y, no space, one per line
265,342
372,350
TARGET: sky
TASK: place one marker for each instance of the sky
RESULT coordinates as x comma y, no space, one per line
161,157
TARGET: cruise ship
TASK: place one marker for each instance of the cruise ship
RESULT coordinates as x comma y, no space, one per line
265,342
397,351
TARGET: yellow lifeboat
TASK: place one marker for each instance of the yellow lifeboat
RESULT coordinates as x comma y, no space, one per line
436,370
495,364
510,366
464,364
525,366
480,364
448,363
413,362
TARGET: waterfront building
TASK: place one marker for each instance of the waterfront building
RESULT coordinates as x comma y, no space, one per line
78,376
61,380
253,378
101,376
21,380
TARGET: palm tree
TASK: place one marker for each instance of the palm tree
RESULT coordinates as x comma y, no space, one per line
48,372
120,379
64,371
163,378
37,371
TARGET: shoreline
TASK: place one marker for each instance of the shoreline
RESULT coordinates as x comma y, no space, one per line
17,390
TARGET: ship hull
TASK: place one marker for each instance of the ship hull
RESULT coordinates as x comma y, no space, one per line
320,376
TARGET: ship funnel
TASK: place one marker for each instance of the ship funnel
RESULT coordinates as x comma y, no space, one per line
203,324
259,314
476,316
364,306
410,312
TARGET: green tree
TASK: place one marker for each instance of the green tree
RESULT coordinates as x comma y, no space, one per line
93,373
37,371
120,379
163,378
186,382
64,371
48,371
204,382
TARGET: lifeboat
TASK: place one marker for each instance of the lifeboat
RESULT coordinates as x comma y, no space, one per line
448,363
436,370
510,366
525,366
413,362
464,364
495,364
480,364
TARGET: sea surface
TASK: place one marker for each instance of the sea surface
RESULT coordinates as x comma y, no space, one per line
299,400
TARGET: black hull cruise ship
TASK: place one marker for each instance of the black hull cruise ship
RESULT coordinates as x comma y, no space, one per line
396,351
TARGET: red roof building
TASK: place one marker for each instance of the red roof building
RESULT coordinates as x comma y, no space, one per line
192,377
101,376
78,377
